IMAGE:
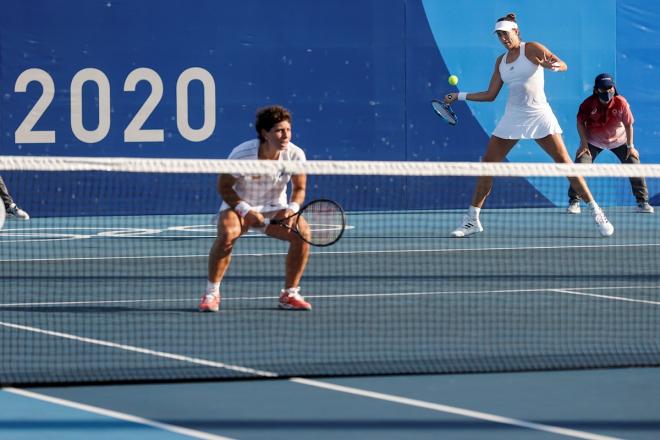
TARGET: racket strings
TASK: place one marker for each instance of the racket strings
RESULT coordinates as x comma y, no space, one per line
444,111
325,221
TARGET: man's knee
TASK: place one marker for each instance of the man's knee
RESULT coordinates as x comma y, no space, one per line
297,242
228,235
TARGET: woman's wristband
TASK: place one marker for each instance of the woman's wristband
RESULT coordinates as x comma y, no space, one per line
462,96
242,208
293,206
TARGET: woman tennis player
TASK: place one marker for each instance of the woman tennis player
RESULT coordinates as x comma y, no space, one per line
527,116
248,200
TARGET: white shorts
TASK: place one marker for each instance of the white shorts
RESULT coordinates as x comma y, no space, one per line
268,211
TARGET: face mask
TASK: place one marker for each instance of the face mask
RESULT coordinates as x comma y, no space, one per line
606,96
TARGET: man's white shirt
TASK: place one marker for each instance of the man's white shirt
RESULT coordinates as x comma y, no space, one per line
263,192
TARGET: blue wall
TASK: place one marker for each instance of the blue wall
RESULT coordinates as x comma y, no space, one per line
357,74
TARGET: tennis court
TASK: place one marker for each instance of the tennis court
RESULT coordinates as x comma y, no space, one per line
116,120
86,299
109,296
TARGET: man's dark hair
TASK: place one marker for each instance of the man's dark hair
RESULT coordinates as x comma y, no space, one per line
268,117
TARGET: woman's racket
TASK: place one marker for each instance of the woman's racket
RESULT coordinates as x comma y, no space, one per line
444,111
325,218
2,215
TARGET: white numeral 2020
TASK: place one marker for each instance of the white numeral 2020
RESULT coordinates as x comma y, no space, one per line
25,133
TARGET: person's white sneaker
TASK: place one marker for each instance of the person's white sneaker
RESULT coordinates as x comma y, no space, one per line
16,212
468,227
604,226
209,302
291,299
573,207
645,207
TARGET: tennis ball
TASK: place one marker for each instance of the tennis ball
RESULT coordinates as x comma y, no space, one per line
452,80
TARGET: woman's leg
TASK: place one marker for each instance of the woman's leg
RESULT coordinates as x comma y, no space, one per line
588,158
229,228
296,261
553,144
496,151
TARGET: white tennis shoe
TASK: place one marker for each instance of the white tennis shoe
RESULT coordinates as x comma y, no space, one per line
645,207
209,302
604,226
17,213
468,227
573,207
291,299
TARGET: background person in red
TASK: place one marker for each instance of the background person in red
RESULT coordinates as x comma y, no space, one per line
605,122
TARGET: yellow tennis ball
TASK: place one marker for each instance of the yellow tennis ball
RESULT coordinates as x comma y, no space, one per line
452,80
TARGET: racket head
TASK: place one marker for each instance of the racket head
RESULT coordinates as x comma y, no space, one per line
3,215
326,221
444,111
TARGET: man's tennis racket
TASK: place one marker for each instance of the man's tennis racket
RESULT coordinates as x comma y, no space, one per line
325,218
444,111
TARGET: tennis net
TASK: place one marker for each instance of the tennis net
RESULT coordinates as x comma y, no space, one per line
102,284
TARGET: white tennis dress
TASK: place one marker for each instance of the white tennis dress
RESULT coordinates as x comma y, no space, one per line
528,114
264,193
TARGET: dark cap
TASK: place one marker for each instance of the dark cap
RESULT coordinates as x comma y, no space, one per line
604,81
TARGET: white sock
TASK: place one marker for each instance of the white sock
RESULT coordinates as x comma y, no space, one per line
212,288
473,212
291,290
593,205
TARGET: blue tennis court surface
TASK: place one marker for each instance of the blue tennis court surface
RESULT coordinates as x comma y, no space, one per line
24,417
585,404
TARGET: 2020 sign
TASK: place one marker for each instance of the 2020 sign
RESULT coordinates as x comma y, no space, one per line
134,131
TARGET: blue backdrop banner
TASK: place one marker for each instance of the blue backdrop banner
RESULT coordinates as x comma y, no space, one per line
168,78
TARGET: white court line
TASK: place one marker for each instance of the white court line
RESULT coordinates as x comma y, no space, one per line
476,292
348,252
616,298
490,249
130,348
116,415
18,233
329,386
114,301
137,257
452,410
354,295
